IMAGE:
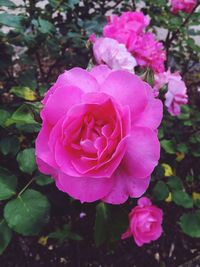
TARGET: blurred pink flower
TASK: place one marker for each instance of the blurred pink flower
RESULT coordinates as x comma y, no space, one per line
149,52
176,91
183,5
123,27
176,96
113,54
128,29
162,78
98,138
144,222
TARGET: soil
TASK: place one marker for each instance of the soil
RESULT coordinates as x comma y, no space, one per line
173,249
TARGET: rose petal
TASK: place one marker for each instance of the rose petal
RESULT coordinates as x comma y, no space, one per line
143,152
127,89
84,189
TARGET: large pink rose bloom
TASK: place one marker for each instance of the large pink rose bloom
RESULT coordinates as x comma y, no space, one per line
144,222
115,55
98,138
183,5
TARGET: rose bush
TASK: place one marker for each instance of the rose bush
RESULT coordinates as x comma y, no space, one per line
145,222
98,138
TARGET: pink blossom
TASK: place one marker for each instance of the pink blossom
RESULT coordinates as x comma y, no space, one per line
144,222
177,91
183,5
176,96
113,54
98,138
162,78
125,27
149,52
128,29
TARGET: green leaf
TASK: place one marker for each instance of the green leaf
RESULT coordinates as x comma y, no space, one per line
168,146
23,115
8,184
24,92
7,3
161,190
4,115
9,145
5,235
175,183
118,223
101,224
65,233
44,26
26,160
182,148
11,20
181,198
28,213
190,224
42,180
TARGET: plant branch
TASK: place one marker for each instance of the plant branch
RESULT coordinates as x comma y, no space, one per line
176,33
26,186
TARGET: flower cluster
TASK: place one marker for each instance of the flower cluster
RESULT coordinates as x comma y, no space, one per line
183,5
99,127
145,222
129,29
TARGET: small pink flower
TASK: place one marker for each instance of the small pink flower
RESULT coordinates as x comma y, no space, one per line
177,91
162,78
114,55
92,37
183,5
98,138
176,96
144,222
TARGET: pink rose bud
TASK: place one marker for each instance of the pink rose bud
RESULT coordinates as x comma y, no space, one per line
183,5
98,138
144,222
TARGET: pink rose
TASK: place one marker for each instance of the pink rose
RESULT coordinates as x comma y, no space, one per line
176,96
113,54
177,91
125,27
163,78
183,5
149,52
128,29
98,138
144,222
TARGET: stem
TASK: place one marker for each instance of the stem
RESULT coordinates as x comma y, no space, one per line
134,5
25,187
40,66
